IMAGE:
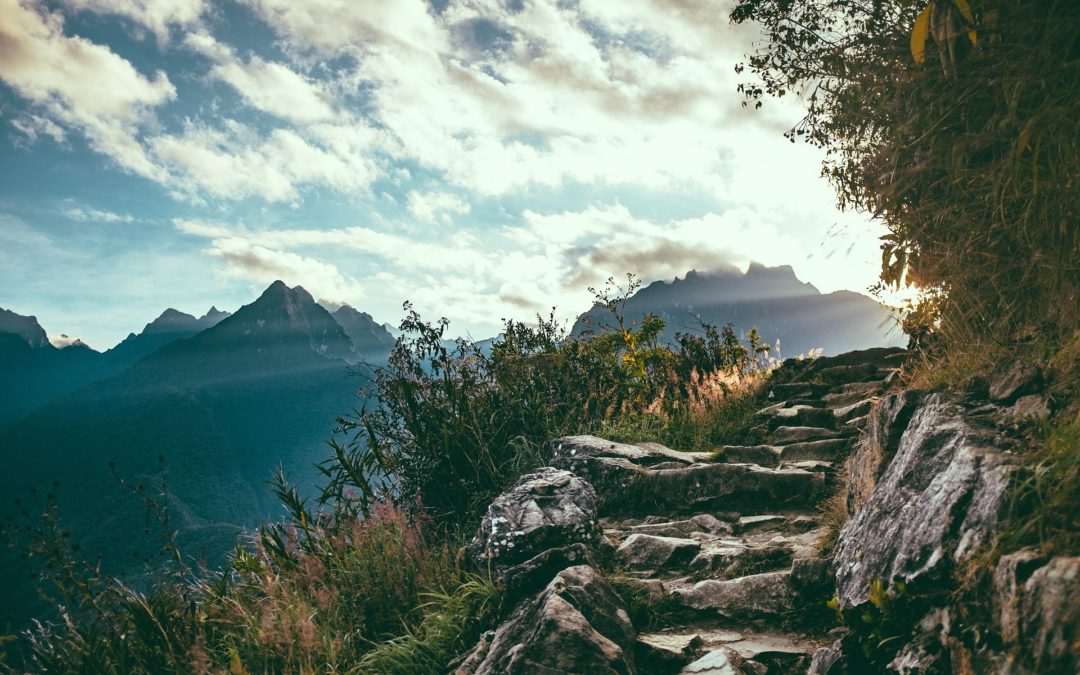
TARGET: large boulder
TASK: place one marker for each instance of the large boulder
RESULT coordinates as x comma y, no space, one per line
939,499
1050,617
577,624
549,509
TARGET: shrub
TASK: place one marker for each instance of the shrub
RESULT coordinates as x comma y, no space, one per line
457,423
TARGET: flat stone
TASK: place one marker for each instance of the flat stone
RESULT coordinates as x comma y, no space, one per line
852,393
646,552
624,488
665,651
760,523
785,435
850,412
722,661
762,455
754,597
828,450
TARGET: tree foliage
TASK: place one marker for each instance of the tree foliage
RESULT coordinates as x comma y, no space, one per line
958,125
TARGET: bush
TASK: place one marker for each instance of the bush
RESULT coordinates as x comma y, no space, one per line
457,423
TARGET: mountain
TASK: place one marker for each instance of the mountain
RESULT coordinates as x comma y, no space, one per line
371,341
171,326
223,408
772,299
32,369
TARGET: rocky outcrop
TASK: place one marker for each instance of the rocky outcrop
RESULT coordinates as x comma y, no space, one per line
938,501
577,624
545,510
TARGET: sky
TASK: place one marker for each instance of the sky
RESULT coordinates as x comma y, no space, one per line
483,159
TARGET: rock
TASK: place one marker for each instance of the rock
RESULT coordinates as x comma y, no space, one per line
828,661
577,624
762,455
1012,571
848,374
1031,405
761,523
530,576
755,597
938,501
663,652
1050,616
852,393
1012,379
853,411
645,552
888,421
828,450
547,509
784,415
926,653
625,488
684,528
640,454
723,661
785,435
812,577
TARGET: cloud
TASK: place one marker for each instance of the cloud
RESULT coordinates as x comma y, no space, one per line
267,86
97,216
155,15
237,162
80,83
248,260
432,207
32,126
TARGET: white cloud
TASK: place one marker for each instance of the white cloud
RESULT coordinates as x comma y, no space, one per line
80,83
97,216
154,15
265,85
248,260
32,126
432,207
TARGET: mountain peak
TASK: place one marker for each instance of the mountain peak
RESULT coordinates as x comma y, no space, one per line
170,321
26,327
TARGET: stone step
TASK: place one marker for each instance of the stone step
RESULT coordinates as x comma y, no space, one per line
852,393
786,390
828,450
626,488
765,598
758,653
785,435
853,411
783,415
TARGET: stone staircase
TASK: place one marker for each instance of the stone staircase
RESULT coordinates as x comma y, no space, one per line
728,542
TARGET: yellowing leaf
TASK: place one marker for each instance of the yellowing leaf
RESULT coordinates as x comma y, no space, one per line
965,11
919,34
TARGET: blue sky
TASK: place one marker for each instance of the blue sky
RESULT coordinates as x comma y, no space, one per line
483,159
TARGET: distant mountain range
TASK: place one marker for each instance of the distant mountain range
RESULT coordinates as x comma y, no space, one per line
223,399
771,299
